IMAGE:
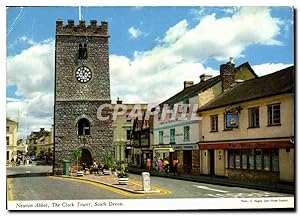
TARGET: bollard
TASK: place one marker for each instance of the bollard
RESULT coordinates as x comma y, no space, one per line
146,181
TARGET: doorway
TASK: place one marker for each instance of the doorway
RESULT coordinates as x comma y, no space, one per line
187,161
212,161
86,157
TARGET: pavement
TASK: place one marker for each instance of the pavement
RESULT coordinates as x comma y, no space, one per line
281,187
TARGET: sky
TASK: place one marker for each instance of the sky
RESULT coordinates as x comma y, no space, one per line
152,51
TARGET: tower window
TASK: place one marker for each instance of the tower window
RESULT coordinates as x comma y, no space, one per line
82,51
83,127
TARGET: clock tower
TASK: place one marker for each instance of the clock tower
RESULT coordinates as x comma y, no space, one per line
82,84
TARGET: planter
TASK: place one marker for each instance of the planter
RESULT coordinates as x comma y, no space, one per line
123,181
106,172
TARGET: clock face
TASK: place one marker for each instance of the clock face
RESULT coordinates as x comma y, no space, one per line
83,74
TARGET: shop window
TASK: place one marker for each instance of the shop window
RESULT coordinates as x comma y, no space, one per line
237,160
275,160
274,114
244,159
186,133
214,123
258,159
267,159
231,158
83,127
253,117
251,159
172,136
161,137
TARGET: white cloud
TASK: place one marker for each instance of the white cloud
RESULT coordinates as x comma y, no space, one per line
267,68
175,32
134,32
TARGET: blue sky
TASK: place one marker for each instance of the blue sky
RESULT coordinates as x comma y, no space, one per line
152,50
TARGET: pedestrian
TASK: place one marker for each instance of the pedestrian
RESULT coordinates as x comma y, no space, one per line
154,164
95,167
149,164
159,165
166,165
175,164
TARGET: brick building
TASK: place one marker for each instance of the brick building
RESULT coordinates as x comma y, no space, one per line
82,84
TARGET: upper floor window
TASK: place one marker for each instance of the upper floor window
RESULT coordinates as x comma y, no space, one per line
128,134
253,117
7,128
214,123
7,140
83,127
274,114
161,137
172,136
186,133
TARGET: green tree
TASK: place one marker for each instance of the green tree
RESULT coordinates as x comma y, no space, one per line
76,154
107,161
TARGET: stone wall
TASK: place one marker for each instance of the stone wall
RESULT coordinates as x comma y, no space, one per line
253,175
195,162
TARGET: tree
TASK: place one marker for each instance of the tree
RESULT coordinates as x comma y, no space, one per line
107,161
76,155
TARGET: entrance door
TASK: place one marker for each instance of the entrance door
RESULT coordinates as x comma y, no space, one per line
187,161
86,157
212,161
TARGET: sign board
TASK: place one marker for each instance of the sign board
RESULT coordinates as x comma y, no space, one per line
146,181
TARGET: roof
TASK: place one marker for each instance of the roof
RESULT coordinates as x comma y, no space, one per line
189,91
280,82
202,86
11,121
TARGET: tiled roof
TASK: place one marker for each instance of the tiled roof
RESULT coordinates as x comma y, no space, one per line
276,83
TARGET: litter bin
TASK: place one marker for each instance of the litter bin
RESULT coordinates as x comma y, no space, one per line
66,167
146,181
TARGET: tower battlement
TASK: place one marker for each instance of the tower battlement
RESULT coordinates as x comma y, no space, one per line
81,29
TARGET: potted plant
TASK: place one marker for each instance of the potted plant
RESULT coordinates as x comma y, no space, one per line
76,154
107,164
122,175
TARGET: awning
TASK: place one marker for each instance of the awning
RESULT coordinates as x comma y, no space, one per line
163,149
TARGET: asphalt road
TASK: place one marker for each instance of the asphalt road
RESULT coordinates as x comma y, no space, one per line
27,184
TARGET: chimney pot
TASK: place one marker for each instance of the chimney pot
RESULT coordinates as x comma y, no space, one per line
205,77
188,84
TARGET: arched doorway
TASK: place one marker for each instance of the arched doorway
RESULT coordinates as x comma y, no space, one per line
86,157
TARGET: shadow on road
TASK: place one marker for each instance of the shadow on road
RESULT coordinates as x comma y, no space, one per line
24,175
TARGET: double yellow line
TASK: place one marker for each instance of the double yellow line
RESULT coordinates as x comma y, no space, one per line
116,190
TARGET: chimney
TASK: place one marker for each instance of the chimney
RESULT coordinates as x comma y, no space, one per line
119,101
227,74
42,129
205,77
188,84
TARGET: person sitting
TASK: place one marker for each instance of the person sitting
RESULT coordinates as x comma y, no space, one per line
95,167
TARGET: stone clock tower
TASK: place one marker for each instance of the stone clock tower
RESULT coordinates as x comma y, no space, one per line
81,86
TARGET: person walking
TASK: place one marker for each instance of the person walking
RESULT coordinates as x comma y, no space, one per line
148,162
175,164
159,165
166,165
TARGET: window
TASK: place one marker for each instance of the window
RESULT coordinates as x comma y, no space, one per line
128,134
186,133
253,117
7,140
161,137
7,128
172,136
83,127
214,123
254,159
186,101
275,160
274,114
7,155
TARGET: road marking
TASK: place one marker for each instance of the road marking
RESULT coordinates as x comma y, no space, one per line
112,189
212,189
9,190
162,191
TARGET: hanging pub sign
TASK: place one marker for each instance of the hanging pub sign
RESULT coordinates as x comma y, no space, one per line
232,120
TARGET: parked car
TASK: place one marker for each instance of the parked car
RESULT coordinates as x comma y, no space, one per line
33,158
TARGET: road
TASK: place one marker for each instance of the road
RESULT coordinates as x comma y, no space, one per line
27,183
